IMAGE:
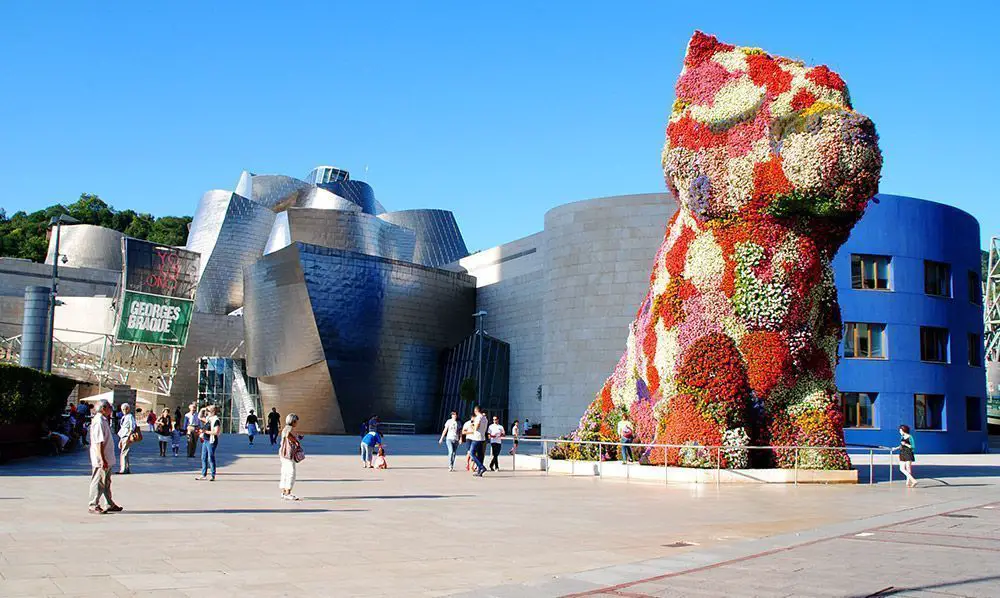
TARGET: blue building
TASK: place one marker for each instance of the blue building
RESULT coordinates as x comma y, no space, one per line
910,296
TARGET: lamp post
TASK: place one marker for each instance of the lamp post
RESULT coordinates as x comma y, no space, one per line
56,221
479,316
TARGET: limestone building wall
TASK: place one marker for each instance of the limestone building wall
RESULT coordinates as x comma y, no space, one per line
597,259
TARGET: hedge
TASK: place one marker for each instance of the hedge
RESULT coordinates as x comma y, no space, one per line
31,396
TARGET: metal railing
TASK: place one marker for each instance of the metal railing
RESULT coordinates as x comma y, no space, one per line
397,428
717,451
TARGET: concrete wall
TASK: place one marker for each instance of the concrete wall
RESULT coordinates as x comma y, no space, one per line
16,274
598,255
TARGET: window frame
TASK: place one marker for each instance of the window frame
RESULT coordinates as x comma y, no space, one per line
975,288
947,345
975,347
871,259
848,326
948,285
872,398
942,414
979,413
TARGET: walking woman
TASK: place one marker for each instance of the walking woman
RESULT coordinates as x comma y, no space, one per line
164,425
210,432
906,458
290,454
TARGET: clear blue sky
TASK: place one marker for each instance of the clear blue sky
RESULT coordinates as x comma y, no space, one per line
497,111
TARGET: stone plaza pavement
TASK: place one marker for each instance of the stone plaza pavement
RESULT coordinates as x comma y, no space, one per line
418,530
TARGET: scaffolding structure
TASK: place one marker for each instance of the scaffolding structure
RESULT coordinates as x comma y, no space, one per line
991,328
991,294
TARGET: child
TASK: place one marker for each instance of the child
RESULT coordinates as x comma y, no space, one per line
380,462
175,438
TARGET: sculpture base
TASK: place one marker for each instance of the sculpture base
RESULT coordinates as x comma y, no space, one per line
685,475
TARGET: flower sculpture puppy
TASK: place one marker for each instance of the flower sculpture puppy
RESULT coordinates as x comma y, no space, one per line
736,340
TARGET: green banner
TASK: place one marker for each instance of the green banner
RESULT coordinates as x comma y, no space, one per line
154,319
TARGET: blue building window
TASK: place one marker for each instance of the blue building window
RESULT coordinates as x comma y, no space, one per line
864,340
975,350
934,344
859,409
928,412
870,272
973,414
975,288
937,279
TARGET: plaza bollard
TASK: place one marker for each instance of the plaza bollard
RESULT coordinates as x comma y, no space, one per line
871,467
796,466
545,455
718,466
600,460
890,466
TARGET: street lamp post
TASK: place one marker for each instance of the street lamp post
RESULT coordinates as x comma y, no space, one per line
479,316
56,221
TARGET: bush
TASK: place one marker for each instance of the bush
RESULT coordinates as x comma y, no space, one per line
29,396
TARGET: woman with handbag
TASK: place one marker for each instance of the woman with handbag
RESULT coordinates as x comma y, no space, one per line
290,454
164,425
906,457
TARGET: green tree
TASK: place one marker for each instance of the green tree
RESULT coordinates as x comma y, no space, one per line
25,235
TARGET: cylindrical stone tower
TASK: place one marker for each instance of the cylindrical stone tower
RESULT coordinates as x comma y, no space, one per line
34,327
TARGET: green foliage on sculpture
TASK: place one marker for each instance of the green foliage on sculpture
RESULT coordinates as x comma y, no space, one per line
736,340
23,235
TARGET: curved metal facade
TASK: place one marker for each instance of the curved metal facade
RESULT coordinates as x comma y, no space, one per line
910,231
356,192
351,231
382,326
439,241
229,234
87,246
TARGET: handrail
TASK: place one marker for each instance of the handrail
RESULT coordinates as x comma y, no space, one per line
718,450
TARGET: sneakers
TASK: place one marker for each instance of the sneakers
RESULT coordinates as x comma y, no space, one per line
289,497
95,511
200,478
114,509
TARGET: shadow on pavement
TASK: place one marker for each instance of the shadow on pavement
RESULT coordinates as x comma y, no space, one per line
893,591
236,511
396,497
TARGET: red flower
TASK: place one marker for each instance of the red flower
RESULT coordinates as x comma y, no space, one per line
702,47
822,75
803,99
768,360
765,72
769,180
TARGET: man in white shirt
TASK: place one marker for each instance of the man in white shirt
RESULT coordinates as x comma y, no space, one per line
192,427
496,433
102,459
128,427
450,434
477,437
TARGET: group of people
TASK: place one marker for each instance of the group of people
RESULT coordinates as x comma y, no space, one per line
476,432
204,426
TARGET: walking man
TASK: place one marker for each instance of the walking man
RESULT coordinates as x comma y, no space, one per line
515,431
192,425
626,433
450,434
273,421
128,428
496,433
102,459
477,438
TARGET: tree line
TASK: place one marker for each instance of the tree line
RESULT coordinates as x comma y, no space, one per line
23,235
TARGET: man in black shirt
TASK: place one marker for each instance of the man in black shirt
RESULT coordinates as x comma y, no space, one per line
273,421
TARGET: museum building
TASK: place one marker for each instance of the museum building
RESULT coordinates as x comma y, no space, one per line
314,299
